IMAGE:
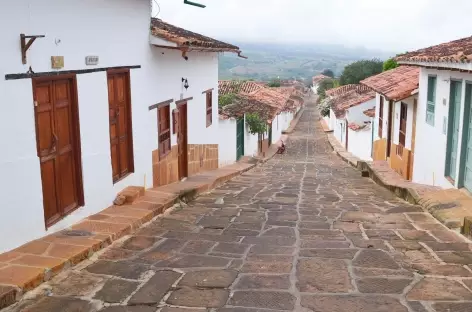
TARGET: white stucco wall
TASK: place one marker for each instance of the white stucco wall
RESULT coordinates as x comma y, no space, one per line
385,117
430,149
118,32
201,71
226,141
360,143
356,114
332,120
22,218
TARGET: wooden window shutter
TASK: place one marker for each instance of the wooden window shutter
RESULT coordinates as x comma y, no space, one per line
175,121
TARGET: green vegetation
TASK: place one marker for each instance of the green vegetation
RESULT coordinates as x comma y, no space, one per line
390,64
324,85
274,83
357,71
256,125
226,99
328,72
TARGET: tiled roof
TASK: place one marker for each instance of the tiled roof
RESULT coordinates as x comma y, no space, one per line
188,39
349,99
252,97
237,86
318,78
370,112
457,51
395,84
340,90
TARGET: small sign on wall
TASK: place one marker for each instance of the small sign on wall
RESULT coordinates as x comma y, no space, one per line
57,62
91,60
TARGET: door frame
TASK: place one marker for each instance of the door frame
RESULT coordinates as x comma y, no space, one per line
391,112
182,172
449,134
465,134
77,138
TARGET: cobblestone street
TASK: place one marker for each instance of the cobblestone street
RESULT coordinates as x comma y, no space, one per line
303,232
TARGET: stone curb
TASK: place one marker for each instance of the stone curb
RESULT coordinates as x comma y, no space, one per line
27,266
408,194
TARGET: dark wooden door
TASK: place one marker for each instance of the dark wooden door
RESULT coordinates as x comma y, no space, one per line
121,142
182,141
389,128
57,136
239,138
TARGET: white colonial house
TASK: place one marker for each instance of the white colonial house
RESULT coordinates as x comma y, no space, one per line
83,85
394,125
351,127
443,119
276,105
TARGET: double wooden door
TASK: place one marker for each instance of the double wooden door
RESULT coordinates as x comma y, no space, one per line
121,138
182,141
58,145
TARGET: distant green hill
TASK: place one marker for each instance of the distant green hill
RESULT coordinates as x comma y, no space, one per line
268,61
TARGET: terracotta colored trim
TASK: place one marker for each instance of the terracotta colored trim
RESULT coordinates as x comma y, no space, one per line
183,101
209,90
163,103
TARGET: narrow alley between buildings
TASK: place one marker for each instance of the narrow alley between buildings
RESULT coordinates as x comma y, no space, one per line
303,232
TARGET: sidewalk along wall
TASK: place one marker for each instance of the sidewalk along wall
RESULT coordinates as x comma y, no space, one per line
431,137
69,28
201,72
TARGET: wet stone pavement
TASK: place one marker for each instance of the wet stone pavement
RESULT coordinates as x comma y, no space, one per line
303,232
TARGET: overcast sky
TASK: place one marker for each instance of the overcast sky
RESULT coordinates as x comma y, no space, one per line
389,25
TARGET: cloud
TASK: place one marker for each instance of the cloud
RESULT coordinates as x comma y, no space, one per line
389,25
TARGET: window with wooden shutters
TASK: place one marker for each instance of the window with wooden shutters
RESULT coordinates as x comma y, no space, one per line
402,131
209,109
431,101
164,130
381,108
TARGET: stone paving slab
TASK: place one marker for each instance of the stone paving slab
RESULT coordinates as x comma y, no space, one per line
302,232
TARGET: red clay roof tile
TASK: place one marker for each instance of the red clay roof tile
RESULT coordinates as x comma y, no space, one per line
188,39
457,51
395,84
370,112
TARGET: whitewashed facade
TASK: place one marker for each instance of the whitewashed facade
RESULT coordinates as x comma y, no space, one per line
118,32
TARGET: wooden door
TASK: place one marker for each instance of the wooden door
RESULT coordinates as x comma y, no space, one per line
390,127
347,136
413,141
239,138
58,145
453,129
182,142
466,158
121,138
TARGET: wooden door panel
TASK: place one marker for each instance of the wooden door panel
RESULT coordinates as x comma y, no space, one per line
120,125
48,181
68,189
58,143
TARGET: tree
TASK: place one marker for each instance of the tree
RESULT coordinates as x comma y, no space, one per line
274,83
357,71
324,85
328,72
390,64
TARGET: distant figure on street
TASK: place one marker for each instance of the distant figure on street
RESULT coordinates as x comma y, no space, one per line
281,148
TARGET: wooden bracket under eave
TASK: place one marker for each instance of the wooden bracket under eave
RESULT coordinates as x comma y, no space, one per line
26,45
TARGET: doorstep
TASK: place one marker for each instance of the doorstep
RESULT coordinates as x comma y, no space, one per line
27,266
452,207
